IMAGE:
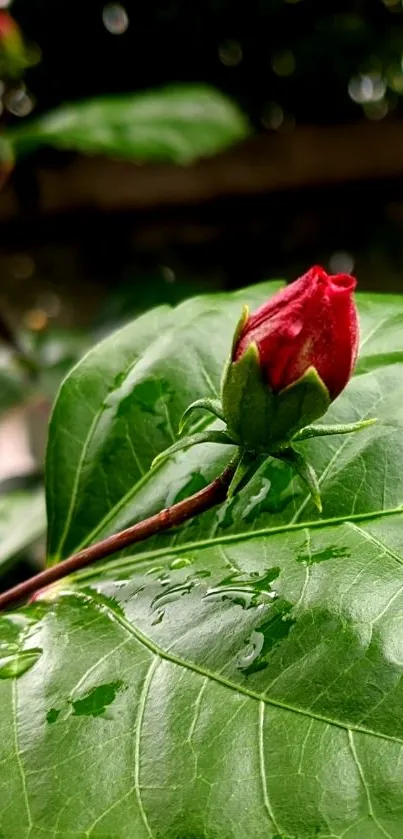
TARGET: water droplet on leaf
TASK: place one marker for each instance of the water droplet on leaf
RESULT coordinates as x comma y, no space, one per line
274,629
96,700
202,574
181,562
247,592
172,594
332,552
256,500
154,571
53,714
17,662
254,647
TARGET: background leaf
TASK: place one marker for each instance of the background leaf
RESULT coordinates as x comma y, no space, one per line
12,392
177,124
241,676
22,522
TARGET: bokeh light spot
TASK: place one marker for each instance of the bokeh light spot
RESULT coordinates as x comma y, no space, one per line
367,88
168,274
376,110
230,53
283,63
272,116
18,102
341,262
21,266
35,319
115,18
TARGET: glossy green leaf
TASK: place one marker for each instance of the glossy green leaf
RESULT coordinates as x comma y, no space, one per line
240,676
177,124
122,405
22,522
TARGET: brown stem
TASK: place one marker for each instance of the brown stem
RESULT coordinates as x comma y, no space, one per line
208,497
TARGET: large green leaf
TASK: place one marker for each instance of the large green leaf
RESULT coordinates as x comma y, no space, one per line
177,123
241,676
121,406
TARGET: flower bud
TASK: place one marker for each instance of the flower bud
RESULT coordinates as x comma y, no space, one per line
14,57
310,323
8,26
290,359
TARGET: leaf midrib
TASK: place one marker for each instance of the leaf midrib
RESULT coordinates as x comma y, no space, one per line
146,556
142,639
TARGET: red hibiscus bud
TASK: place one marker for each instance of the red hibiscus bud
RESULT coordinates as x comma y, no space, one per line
14,55
8,26
289,360
310,323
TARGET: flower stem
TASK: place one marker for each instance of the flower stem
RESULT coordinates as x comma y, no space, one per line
208,497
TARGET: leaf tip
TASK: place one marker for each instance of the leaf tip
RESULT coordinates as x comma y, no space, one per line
318,503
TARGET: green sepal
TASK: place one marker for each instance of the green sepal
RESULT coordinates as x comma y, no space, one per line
212,405
297,406
248,465
193,440
261,420
239,328
326,430
247,401
305,471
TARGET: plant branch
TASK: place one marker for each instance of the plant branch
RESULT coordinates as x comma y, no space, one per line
213,494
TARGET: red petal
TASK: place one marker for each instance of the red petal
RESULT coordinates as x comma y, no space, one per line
312,322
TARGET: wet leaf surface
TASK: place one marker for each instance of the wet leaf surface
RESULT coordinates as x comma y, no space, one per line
240,676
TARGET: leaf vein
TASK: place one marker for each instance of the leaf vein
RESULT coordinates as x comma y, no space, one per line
222,680
18,758
142,704
364,784
262,770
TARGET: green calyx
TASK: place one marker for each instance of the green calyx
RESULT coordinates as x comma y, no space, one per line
263,421
262,424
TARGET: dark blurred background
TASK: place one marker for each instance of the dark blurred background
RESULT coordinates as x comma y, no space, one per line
89,239
320,181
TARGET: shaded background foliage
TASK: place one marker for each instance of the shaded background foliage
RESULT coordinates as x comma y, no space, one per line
288,65
301,53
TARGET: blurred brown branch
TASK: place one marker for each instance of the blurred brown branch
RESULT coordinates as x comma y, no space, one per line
306,156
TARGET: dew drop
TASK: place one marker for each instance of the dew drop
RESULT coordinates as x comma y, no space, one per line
247,592
180,563
95,702
16,663
332,552
202,574
245,596
252,651
172,594
53,715
152,572
256,500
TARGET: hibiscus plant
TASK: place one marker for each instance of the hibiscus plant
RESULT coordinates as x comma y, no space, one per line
223,659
